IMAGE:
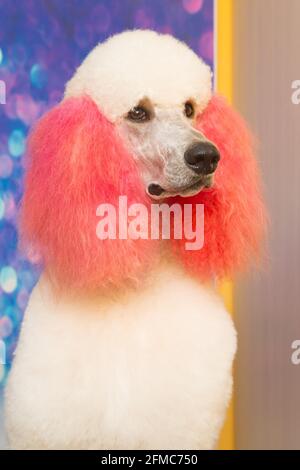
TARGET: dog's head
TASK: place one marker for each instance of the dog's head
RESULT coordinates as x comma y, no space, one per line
139,119
153,87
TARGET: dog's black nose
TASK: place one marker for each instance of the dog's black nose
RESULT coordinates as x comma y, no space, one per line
202,158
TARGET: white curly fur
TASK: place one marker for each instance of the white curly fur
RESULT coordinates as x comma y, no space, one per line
142,371
120,72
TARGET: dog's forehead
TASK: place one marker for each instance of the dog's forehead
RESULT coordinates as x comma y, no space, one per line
137,64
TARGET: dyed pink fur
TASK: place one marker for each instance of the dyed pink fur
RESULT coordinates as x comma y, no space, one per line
234,214
75,162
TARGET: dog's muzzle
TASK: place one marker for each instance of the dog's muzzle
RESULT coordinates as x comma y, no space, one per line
202,158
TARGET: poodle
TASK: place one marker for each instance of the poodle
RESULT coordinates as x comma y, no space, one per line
125,343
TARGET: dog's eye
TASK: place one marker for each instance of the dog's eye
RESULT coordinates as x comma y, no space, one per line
138,114
189,109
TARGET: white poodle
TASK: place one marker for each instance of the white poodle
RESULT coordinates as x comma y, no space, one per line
125,344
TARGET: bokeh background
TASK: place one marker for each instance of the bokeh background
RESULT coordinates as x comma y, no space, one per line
41,44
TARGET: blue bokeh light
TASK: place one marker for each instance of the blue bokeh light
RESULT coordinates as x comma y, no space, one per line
2,208
16,143
8,279
38,76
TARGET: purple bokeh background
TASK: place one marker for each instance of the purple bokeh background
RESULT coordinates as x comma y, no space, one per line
41,44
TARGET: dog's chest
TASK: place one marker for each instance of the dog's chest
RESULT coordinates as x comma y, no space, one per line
150,370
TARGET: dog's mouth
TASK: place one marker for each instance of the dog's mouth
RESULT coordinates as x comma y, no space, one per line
156,191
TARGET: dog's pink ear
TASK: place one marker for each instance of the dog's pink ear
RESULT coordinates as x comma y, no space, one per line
234,212
76,162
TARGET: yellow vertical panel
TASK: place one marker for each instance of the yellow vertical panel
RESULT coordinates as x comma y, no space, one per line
224,42
227,440
224,85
